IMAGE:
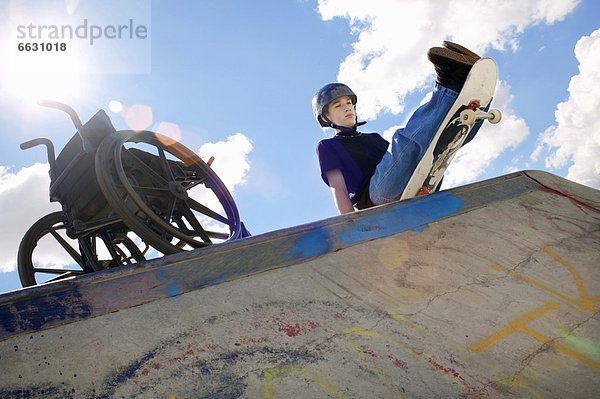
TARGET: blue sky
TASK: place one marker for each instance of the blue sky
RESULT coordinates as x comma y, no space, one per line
236,78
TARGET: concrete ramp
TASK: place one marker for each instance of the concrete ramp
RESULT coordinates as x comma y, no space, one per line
490,290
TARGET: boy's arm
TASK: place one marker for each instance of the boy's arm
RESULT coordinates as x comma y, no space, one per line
340,191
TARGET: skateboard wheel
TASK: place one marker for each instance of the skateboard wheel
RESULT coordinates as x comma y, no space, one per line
467,117
496,116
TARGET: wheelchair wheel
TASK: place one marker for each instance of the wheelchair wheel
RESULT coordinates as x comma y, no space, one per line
41,257
164,192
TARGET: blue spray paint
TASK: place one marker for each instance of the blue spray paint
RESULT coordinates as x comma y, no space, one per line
171,288
311,244
34,312
415,216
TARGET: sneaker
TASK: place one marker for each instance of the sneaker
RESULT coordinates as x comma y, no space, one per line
460,49
451,67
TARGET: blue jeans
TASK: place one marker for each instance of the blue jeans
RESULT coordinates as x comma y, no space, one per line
408,146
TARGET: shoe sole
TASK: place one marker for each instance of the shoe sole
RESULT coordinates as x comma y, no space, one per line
457,47
444,56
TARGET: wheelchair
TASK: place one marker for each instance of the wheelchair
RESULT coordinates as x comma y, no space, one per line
126,196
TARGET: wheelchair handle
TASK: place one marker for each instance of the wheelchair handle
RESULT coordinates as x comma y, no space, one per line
49,149
65,108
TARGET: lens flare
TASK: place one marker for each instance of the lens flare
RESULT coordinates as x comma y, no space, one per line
138,117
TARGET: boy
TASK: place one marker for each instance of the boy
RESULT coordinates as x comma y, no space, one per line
364,170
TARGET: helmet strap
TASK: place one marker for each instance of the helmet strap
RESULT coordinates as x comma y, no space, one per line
343,129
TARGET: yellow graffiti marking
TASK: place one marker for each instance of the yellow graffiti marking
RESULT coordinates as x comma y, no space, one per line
360,331
584,301
325,386
287,370
518,325
269,376
399,316
561,348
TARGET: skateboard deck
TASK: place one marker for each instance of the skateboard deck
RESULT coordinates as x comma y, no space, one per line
468,109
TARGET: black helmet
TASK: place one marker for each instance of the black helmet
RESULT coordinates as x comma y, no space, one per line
327,94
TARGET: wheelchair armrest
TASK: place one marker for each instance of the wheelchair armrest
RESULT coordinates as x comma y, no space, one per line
35,142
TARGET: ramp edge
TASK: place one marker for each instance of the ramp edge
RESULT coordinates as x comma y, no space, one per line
47,306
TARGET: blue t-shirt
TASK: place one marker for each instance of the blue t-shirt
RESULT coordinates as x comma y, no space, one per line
355,156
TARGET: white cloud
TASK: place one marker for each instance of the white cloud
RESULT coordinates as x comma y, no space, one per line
388,58
575,138
231,164
23,200
491,140
231,159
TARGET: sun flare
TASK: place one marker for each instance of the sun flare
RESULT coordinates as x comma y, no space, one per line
36,76
35,68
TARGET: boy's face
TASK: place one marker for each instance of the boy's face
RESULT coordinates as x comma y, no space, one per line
341,112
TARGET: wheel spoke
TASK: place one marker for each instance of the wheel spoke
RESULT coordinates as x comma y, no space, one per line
207,211
164,163
67,247
187,235
64,276
169,214
56,271
112,250
191,218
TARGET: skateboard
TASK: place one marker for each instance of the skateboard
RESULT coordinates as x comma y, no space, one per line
468,109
